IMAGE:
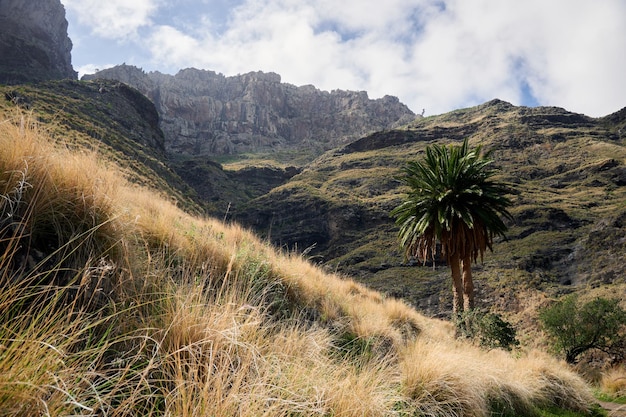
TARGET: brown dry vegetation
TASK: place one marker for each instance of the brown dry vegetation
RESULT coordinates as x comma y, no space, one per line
116,302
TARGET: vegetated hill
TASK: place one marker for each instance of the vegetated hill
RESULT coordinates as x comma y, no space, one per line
569,173
116,302
108,117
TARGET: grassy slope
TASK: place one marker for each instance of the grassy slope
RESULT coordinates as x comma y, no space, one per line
116,302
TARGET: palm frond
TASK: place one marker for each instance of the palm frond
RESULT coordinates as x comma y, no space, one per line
453,200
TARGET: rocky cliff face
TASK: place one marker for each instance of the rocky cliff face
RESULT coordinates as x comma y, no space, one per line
34,44
205,113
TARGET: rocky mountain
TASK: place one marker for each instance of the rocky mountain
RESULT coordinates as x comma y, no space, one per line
34,44
205,113
568,170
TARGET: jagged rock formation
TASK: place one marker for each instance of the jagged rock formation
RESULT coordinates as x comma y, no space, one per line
34,44
205,113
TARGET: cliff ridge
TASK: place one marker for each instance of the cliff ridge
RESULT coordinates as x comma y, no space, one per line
206,113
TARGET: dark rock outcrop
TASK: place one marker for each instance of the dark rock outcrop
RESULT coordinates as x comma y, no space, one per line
205,113
34,45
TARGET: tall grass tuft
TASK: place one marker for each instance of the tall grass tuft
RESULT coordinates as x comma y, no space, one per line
614,381
55,216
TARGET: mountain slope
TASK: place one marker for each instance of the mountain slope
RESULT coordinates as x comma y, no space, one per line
568,170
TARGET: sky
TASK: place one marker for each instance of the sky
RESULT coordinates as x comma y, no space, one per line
434,55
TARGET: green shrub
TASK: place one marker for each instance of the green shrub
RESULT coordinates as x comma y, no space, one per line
576,328
489,330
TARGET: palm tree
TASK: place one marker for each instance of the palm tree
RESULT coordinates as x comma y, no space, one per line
452,200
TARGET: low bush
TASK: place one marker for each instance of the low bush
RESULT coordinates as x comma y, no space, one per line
489,330
577,327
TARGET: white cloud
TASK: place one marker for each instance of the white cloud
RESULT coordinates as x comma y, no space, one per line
466,54
430,53
579,61
172,48
113,19
91,68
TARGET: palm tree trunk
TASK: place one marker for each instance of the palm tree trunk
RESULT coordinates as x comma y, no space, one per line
468,284
457,284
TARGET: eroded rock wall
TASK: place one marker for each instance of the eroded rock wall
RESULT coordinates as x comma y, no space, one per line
206,113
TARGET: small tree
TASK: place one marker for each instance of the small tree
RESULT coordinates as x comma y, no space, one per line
598,324
453,199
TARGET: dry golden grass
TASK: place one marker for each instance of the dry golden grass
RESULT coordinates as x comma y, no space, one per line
455,379
67,209
614,381
223,359
163,313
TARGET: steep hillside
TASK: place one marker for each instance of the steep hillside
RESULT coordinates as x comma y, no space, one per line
111,118
116,302
568,170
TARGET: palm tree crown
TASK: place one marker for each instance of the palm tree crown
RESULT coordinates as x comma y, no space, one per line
454,200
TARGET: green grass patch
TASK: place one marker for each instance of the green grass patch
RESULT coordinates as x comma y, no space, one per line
596,411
